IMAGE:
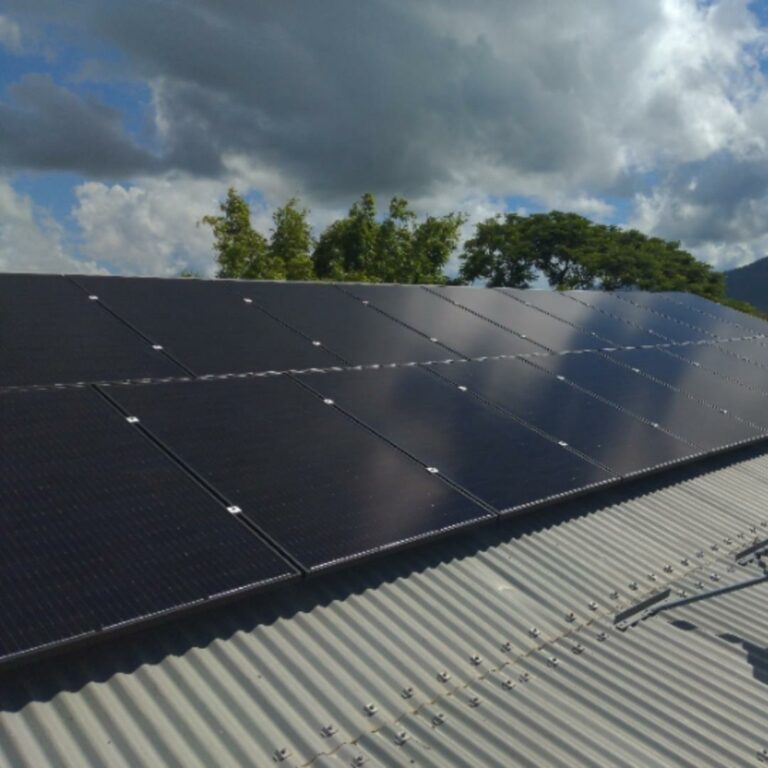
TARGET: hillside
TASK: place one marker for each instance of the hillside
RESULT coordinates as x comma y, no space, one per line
749,283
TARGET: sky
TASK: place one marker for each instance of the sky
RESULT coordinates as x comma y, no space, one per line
122,124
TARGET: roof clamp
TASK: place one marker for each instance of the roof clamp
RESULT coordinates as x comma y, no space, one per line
593,606
317,343
407,692
433,339
433,470
132,419
329,730
248,301
438,719
358,760
506,647
328,401
474,701
476,660
234,510
462,388
282,754
553,661
157,347
370,709
508,684
444,676
534,632
570,617
93,298
562,443
578,648
401,737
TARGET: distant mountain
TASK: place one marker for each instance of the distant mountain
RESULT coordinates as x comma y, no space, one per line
749,283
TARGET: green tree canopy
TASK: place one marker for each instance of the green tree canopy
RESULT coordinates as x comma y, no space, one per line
241,251
399,249
291,241
574,252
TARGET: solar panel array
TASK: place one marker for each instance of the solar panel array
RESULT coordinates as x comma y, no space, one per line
168,443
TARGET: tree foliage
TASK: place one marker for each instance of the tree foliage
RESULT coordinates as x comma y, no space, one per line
291,242
399,249
574,252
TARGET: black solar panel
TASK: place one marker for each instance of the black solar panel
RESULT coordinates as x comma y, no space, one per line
617,440
456,328
615,332
356,332
323,487
737,400
702,426
714,327
479,448
207,325
547,331
755,350
101,530
665,328
717,359
51,333
752,325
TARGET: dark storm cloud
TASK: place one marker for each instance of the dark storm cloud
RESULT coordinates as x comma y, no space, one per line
46,127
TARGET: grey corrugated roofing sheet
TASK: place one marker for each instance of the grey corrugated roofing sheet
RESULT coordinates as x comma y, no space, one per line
492,648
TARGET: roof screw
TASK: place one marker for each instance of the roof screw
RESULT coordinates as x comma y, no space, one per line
533,632
668,568
752,529
401,737
524,678
474,701
593,606
685,561
328,730
438,719
762,755
700,553
714,576
764,524
715,547
476,660
700,584
553,661
444,676
652,576
282,754
357,761
682,593
614,595
578,648
507,685
507,646
729,541
602,636
570,617
731,568
370,709
633,585
407,692
740,535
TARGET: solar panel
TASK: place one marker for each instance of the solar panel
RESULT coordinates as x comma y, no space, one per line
355,332
50,333
207,325
323,487
456,328
717,328
477,447
664,327
612,437
734,399
613,331
547,331
100,530
718,360
752,325
702,426
755,350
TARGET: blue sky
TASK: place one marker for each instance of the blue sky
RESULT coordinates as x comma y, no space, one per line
122,124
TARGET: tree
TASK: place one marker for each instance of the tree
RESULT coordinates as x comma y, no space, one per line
291,241
574,252
241,251
399,249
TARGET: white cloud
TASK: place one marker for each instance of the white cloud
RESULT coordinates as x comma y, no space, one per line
10,35
30,241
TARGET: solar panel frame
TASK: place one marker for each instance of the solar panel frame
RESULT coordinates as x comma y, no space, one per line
102,532
753,325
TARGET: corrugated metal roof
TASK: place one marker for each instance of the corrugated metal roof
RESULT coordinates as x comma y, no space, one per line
493,648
